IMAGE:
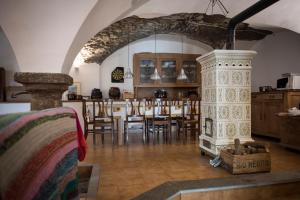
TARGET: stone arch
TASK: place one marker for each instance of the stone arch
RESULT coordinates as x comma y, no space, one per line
208,29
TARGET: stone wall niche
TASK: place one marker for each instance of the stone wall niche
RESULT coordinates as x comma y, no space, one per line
226,98
46,89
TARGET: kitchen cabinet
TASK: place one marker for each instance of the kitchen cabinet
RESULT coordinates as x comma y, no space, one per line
168,66
265,106
290,131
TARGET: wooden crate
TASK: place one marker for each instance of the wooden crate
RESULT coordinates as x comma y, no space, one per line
244,164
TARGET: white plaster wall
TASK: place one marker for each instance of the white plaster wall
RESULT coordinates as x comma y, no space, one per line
8,60
41,31
276,54
164,44
102,15
87,75
283,13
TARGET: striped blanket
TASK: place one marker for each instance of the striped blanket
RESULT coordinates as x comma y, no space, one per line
38,154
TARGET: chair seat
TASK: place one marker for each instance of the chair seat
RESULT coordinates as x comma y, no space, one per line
191,121
161,117
134,121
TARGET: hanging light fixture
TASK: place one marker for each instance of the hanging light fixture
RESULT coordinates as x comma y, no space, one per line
182,75
212,4
155,75
128,74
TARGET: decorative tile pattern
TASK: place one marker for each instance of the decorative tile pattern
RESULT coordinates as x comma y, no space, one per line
220,94
248,79
230,129
207,95
220,130
245,128
237,112
226,96
230,95
213,95
223,77
237,78
244,95
223,112
248,112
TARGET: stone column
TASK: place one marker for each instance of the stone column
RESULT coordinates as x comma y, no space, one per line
226,98
46,89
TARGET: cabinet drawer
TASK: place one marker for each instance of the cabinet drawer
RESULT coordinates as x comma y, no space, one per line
272,96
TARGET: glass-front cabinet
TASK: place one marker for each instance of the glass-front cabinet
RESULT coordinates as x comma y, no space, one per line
146,70
168,71
168,66
190,69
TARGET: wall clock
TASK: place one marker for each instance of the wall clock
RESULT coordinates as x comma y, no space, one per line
117,75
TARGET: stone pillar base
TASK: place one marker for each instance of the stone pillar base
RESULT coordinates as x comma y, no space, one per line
46,89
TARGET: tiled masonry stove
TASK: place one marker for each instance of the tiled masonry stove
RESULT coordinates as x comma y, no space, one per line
226,98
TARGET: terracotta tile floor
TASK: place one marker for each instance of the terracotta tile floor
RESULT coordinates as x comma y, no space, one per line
127,171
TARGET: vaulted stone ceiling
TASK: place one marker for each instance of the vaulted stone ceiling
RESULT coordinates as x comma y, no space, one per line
208,29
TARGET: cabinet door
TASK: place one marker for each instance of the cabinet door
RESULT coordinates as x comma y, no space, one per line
257,121
168,69
146,69
190,69
271,121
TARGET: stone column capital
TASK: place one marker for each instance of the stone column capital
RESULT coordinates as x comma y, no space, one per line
45,88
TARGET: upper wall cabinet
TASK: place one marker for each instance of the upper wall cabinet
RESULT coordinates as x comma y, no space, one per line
169,66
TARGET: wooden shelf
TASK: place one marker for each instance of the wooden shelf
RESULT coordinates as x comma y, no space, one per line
167,86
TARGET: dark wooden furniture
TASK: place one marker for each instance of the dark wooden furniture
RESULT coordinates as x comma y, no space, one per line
265,106
2,84
290,131
169,66
160,119
135,114
190,117
103,120
87,119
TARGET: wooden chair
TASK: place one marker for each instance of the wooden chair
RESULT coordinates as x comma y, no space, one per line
190,117
103,119
87,119
160,119
135,114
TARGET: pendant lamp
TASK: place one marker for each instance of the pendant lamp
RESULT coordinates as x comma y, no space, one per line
155,75
182,75
128,74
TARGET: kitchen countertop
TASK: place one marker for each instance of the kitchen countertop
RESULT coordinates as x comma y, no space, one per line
277,91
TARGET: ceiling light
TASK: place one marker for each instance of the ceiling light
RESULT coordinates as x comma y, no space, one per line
155,75
182,75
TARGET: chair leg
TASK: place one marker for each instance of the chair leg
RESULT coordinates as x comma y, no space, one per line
144,136
117,131
127,133
102,134
170,133
153,132
112,133
94,138
124,131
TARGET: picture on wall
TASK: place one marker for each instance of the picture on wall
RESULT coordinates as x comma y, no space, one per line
117,75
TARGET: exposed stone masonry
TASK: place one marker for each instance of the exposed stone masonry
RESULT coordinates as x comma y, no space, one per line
45,88
209,29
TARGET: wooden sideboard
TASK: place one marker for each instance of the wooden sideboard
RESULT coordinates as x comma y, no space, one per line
169,66
265,106
290,131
